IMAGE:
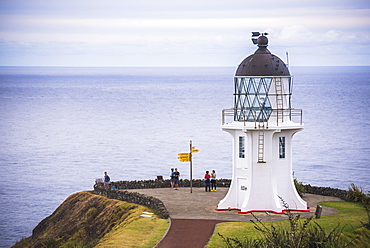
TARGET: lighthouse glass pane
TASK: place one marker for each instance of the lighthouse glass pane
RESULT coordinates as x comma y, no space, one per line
252,101
251,86
281,147
241,147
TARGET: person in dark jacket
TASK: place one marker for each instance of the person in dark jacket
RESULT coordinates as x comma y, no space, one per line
106,179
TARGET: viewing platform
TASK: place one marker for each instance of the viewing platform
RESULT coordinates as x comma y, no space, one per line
251,117
181,204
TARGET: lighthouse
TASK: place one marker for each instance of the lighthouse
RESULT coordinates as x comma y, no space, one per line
262,124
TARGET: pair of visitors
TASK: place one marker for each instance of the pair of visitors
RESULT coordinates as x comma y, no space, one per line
174,181
210,181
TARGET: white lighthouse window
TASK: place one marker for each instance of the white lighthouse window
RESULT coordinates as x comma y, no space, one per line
281,147
241,146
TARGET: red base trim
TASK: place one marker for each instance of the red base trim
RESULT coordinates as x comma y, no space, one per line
226,209
251,211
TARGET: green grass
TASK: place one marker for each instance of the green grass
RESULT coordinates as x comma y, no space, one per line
136,231
349,217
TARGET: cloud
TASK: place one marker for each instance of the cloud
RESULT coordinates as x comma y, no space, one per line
185,29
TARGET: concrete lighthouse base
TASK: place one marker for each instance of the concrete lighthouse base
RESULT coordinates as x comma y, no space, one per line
262,185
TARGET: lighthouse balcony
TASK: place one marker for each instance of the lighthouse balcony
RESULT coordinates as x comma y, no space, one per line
269,117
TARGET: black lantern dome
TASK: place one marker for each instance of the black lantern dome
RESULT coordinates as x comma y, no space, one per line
262,62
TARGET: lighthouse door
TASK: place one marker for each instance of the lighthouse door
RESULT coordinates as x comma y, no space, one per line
242,191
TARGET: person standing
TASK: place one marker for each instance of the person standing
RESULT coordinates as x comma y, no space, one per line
176,175
213,180
207,181
106,179
172,178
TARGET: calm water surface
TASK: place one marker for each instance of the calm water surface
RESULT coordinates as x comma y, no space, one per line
60,128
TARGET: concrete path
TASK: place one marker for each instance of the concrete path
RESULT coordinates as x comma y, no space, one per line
193,215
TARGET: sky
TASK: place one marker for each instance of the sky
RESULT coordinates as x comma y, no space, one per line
182,32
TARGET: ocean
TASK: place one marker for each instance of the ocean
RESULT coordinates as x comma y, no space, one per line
62,127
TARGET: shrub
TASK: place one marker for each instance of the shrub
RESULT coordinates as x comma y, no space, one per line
235,242
301,189
367,224
50,242
355,194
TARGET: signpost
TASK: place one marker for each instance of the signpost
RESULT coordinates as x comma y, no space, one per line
184,157
187,157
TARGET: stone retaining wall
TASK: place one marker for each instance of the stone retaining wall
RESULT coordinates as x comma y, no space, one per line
342,194
150,184
133,197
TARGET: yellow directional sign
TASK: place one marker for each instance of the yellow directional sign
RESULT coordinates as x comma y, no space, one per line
194,149
184,160
184,157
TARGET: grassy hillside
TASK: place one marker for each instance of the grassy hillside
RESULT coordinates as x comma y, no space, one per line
351,218
88,220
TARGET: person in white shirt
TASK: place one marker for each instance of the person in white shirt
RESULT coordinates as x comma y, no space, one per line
213,180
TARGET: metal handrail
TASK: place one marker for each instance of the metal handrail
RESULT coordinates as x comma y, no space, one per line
288,114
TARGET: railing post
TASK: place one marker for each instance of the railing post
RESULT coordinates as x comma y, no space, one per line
223,117
318,211
301,116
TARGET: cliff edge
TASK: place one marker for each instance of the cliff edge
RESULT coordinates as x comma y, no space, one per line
83,219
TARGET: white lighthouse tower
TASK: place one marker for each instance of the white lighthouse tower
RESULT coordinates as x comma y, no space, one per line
262,124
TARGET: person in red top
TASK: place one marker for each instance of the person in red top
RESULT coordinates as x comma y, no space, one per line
207,181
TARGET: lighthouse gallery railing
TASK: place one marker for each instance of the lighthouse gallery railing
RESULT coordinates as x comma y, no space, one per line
249,115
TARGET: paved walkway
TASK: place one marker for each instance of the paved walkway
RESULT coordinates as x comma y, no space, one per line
193,215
